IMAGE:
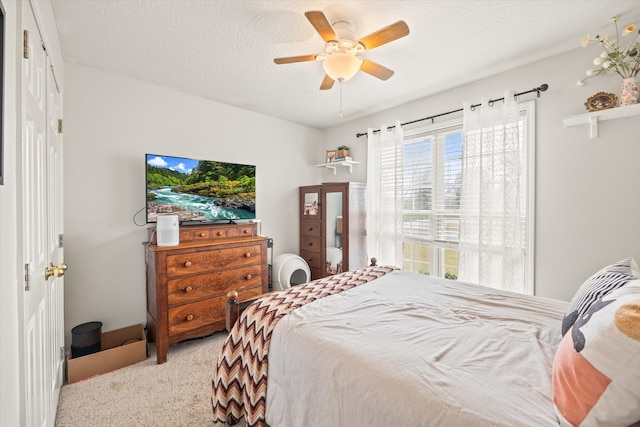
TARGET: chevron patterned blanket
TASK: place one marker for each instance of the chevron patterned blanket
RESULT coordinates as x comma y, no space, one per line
239,385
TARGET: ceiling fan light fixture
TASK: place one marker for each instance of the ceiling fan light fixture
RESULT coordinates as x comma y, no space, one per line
341,66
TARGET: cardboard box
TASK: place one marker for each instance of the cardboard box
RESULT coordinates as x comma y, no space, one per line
115,354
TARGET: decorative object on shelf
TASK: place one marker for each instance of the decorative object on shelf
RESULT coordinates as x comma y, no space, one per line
618,58
331,156
343,151
629,91
601,101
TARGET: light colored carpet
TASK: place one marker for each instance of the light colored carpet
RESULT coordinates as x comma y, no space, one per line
176,393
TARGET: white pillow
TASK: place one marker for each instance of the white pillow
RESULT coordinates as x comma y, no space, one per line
595,287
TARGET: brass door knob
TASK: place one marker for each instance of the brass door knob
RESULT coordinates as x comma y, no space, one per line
55,270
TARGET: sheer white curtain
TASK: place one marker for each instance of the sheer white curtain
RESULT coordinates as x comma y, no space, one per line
384,195
492,211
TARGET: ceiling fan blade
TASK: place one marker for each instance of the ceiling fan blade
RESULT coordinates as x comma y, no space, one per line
291,59
387,34
375,69
322,25
327,83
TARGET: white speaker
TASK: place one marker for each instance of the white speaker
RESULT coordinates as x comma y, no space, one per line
168,230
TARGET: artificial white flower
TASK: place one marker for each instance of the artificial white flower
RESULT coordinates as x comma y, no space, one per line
622,58
580,83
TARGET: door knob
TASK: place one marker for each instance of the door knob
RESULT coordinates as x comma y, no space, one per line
55,270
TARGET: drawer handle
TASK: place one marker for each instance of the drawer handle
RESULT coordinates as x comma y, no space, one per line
189,317
310,243
248,277
202,234
187,264
247,255
310,228
245,231
219,233
188,289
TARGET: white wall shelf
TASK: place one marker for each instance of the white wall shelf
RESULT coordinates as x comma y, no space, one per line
334,165
594,117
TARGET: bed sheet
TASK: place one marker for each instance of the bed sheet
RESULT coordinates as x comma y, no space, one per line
412,350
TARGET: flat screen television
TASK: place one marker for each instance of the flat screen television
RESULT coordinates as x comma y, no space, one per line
199,191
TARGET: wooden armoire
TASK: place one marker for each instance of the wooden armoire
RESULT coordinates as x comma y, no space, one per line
332,227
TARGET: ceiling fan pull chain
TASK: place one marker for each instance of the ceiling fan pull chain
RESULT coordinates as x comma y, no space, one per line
340,115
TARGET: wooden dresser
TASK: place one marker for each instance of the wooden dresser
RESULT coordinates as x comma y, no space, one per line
187,284
332,227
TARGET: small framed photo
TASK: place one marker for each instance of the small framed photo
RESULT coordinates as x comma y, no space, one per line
331,156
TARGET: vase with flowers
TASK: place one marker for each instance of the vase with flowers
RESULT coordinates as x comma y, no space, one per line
620,55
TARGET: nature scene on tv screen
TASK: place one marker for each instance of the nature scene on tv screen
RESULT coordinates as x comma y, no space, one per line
199,190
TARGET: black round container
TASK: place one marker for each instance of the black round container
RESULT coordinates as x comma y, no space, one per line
86,339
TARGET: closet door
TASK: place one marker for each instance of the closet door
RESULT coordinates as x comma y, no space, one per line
40,230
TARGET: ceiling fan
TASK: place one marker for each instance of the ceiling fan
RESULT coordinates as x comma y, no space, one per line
340,57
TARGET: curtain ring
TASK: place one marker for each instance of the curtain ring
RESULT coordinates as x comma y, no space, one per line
490,103
432,121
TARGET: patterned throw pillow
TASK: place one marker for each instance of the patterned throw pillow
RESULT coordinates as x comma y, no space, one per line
600,284
596,370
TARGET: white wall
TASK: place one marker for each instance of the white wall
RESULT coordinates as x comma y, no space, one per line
587,196
10,386
110,123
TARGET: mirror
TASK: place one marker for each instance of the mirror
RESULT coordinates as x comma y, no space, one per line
333,232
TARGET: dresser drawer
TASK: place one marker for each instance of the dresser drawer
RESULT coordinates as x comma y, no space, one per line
184,318
218,232
194,235
310,244
193,288
312,258
310,228
198,262
241,231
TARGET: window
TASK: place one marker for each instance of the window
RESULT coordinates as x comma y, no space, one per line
431,168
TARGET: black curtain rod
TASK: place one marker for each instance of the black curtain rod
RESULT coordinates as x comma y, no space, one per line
543,87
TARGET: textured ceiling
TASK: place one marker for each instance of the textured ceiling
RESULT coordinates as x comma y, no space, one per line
224,50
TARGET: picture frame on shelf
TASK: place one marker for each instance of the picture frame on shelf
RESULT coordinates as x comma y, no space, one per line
601,101
331,156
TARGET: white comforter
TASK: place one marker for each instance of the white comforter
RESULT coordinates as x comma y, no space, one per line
412,350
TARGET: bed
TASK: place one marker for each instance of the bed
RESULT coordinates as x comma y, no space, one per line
382,346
